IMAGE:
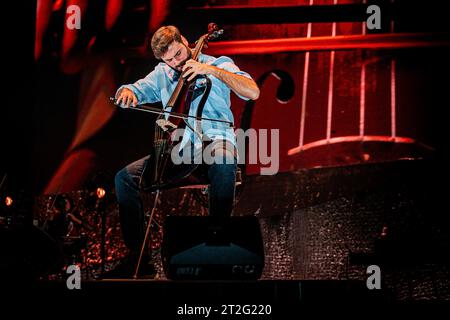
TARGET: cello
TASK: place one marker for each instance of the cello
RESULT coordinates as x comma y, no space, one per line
172,117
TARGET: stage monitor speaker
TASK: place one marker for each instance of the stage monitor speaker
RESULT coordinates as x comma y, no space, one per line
212,248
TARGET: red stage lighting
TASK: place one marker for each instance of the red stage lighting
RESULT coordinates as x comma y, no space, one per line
100,193
8,201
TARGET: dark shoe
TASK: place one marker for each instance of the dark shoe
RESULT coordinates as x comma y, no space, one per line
127,267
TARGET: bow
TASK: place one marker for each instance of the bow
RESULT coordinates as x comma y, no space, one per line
148,108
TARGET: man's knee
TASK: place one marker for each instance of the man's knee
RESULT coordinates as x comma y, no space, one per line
121,177
224,152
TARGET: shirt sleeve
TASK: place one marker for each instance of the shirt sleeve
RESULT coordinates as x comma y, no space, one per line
146,89
227,64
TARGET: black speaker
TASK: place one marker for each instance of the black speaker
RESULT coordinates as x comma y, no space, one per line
212,248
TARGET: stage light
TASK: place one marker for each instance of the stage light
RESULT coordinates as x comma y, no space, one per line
8,201
100,193
384,232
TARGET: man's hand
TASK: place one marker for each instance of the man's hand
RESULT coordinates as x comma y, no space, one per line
193,68
127,97
239,84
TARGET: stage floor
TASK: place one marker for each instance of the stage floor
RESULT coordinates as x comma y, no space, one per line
262,291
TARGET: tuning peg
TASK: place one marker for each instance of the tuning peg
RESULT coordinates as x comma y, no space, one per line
212,27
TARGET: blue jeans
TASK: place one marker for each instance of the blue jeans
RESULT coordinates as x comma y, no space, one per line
222,179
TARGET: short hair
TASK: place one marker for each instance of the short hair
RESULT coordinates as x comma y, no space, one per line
163,38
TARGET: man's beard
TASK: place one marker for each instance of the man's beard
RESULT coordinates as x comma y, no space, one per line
183,63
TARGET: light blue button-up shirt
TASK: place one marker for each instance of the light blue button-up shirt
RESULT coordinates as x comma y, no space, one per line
159,84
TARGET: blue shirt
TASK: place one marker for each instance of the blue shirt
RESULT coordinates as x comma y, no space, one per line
159,84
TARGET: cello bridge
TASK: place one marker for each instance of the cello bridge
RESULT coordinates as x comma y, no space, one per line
166,125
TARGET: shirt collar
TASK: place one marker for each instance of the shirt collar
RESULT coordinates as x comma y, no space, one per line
172,74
